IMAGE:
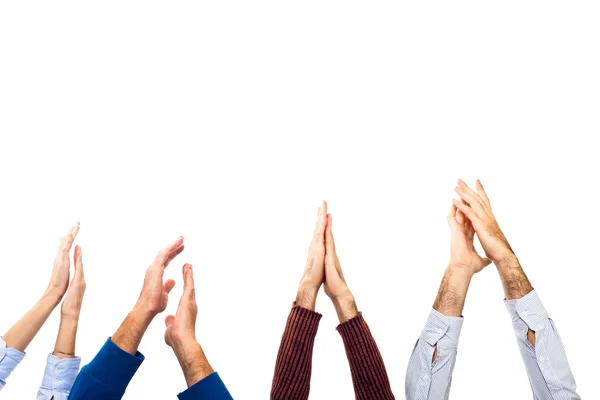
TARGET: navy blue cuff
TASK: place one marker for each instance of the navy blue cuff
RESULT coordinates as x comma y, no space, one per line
114,367
211,387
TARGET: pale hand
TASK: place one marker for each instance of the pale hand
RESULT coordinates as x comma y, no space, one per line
314,272
335,284
71,305
59,281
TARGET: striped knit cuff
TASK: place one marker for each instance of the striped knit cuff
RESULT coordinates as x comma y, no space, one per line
356,324
304,321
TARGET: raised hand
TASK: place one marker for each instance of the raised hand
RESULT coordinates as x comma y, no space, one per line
155,294
314,272
153,300
462,249
335,284
181,327
71,305
59,280
180,334
477,208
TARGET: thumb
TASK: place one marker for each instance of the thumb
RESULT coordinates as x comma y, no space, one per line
169,285
188,281
486,261
169,320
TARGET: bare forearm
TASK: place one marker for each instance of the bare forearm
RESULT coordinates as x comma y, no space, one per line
65,341
307,296
450,299
22,333
345,307
132,329
193,363
514,280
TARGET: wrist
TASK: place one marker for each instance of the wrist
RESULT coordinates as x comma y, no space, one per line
507,261
345,306
460,271
193,362
307,295
141,315
51,297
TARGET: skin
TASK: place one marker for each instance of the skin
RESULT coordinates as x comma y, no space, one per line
70,310
323,268
20,335
180,334
477,208
152,301
464,263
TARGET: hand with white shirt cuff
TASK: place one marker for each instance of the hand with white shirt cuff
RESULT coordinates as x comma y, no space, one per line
19,336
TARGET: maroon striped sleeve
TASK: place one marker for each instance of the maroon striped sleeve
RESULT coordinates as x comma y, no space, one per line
369,375
291,380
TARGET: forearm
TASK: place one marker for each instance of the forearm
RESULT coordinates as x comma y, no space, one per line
345,307
514,280
307,295
451,296
65,341
193,363
20,335
132,329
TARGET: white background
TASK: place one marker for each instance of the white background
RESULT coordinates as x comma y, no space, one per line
227,122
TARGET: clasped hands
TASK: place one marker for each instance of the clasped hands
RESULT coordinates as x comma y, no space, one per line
323,268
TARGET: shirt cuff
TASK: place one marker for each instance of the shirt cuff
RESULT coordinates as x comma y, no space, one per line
529,309
443,329
211,387
60,374
9,359
114,367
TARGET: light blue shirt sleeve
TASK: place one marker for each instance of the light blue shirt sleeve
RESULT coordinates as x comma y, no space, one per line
58,377
427,379
546,363
9,359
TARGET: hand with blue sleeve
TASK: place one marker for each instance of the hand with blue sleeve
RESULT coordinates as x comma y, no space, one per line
180,335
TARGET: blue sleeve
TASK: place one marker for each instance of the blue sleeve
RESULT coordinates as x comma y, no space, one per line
106,377
211,387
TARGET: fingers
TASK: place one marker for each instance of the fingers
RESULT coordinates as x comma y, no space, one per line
169,320
78,263
321,221
189,289
466,210
329,242
174,254
452,216
66,242
482,193
165,253
466,193
169,285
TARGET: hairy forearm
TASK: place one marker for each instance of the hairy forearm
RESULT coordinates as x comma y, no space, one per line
514,280
193,363
22,333
307,296
450,299
132,329
65,341
345,307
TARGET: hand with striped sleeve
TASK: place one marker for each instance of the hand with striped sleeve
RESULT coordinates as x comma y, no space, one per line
291,380
541,347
